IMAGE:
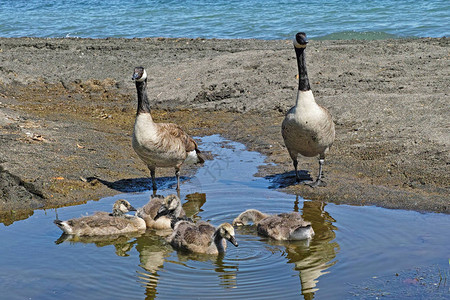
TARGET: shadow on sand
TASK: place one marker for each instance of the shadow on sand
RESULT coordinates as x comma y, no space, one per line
283,180
142,184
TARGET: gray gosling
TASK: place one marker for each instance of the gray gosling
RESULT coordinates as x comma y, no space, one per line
308,128
158,211
202,237
163,145
282,227
103,223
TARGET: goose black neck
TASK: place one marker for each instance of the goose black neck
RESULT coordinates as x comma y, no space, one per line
303,80
143,102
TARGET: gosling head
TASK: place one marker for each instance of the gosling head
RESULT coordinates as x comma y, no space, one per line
241,221
170,205
300,40
226,231
139,74
121,207
248,216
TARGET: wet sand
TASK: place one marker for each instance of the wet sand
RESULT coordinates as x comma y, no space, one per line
67,111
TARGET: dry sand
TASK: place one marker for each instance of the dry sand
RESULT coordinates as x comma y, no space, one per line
67,108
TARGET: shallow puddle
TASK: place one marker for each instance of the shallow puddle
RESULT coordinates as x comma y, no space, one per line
357,252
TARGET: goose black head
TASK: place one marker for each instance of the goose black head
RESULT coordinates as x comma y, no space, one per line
300,40
139,74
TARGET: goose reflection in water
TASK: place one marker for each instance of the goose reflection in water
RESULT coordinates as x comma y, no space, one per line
311,257
312,262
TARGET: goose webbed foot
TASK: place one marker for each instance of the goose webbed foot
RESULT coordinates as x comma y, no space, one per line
317,183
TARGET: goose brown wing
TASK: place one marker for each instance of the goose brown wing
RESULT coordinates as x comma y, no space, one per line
176,132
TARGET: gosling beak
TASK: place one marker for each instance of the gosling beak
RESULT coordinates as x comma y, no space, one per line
233,241
131,208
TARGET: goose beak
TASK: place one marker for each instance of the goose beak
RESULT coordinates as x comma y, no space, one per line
233,241
135,76
131,208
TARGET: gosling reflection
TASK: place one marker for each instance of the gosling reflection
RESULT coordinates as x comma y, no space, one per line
226,272
122,243
155,252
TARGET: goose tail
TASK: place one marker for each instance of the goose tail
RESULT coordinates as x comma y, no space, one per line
195,157
200,156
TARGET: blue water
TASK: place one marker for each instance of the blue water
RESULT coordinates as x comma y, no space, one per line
358,252
264,19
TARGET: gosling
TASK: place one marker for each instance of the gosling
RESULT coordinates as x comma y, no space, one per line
202,237
158,211
103,223
308,128
282,227
160,144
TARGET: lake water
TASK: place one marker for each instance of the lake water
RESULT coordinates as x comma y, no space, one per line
260,19
357,252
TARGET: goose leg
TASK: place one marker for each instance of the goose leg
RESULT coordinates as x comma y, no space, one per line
319,181
153,175
177,174
295,163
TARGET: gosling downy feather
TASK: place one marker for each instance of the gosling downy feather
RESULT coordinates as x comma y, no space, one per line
308,128
158,211
202,237
160,144
103,223
282,227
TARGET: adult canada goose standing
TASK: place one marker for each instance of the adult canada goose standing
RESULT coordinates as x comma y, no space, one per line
202,237
282,227
160,144
308,128
158,211
103,223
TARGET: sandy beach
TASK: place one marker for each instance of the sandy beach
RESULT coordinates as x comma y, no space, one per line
67,109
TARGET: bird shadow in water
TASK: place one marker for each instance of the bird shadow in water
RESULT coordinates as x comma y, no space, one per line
133,185
286,179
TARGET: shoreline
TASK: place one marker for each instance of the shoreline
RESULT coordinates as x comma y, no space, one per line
68,104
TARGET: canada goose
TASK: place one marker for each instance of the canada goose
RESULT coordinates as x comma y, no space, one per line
308,128
202,237
156,213
282,227
103,223
160,144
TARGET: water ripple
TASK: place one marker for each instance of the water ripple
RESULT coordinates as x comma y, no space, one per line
224,19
